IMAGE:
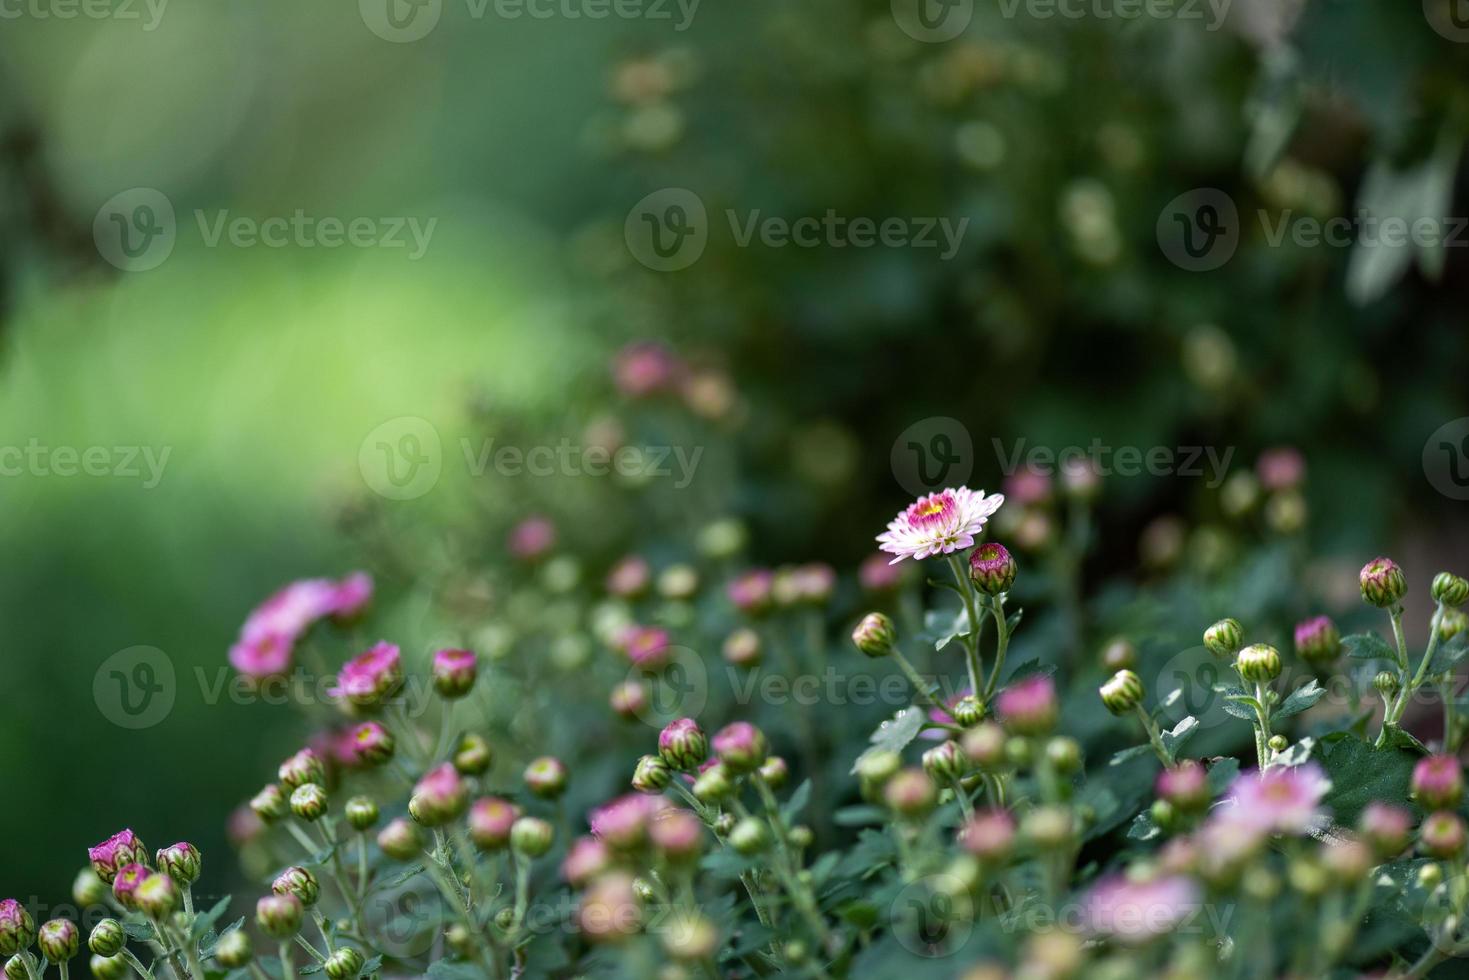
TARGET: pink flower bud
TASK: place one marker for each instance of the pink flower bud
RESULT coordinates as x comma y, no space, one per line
1438,782
683,745
279,916
623,823
742,648
989,835
877,575
372,744
609,911
1442,835
125,884
677,834
116,852
1280,468
490,820
438,797
646,646
157,896
17,928
1386,827
532,538
299,882
1028,707
1382,582
751,592
180,860
454,672
1317,640
585,859
992,568
1186,786
546,777
629,578
911,793
740,746
59,940
399,840
370,678
629,699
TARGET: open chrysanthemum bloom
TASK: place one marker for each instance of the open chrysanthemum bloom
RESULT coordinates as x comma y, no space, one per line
939,523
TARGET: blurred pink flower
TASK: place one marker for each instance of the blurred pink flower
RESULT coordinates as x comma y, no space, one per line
1133,912
645,368
1284,800
371,677
532,538
1280,468
270,633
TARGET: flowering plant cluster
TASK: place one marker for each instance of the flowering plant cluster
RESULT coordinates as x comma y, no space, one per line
998,806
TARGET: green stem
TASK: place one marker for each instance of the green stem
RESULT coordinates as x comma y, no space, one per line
965,806
1155,738
306,945
971,642
1262,735
288,968
135,963
919,684
1002,644
1410,686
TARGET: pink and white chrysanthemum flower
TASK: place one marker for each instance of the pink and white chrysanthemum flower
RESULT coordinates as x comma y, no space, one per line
1279,801
939,524
1133,912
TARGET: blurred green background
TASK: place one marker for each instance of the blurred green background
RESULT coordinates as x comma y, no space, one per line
1061,320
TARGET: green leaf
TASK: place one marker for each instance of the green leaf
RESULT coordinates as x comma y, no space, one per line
1448,654
895,733
1300,699
1221,774
1129,754
205,921
1360,774
1029,668
1174,738
138,930
449,970
859,816
1296,754
1368,646
796,803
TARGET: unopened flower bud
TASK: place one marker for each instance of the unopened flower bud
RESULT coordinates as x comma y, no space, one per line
362,812
1259,662
628,700
108,967
16,968
989,835
585,859
88,889
1185,786
309,802
1382,582
1430,876
270,804
651,775
279,916
460,940
683,745
180,860
373,744
301,769
438,797
1438,782
454,672
233,951
1442,834
1018,752
740,746
991,568
968,711
490,820
1028,707
875,635
749,836
117,852
1388,828
945,762
713,784
911,793
125,885
107,938
59,940
1064,754
1347,861
1123,692
1307,876
775,771
690,937
531,836
1277,743
677,834
157,896
473,755
1224,638
1119,654
1451,624
742,648
610,910
1387,683
1047,827
546,777
344,964
984,744
399,840
1317,640
1450,589
800,836
299,882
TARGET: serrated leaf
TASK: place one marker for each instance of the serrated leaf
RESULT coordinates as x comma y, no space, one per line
1144,827
1368,646
136,929
1300,699
894,734
1029,668
1174,738
206,920
1360,774
1296,754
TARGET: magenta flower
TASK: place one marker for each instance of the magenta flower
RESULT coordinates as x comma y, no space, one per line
1132,913
645,368
740,746
1028,707
269,636
677,833
532,538
438,797
629,578
585,859
243,826
371,744
370,678
1280,468
115,853
1281,801
939,523
1438,782
454,672
877,574
125,883
622,824
750,592
1186,786
646,646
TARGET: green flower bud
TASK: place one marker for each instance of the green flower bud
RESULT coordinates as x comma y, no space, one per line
1430,876
301,769
1450,589
461,940
1278,743
108,967
531,836
157,896
344,964
1047,827
775,771
800,836
474,755
1451,624
690,938
1387,683
1382,582
1123,692
233,951
362,812
108,938
878,766
1018,752
875,635
984,744
180,860
308,802
1064,754
1223,639
546,777
299,882
911,793
1119,654
59,940
279,916
88,889
399,840
16,969
651,775
270,804
749,836
1163,814
945,762
713,785
1259,662
968,711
